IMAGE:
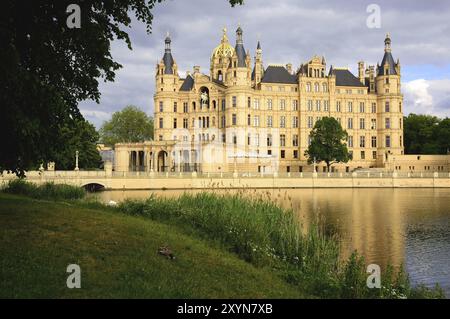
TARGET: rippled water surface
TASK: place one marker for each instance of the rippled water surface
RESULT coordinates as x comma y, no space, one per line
408,227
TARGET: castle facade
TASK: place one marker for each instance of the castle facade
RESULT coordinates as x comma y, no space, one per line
247,117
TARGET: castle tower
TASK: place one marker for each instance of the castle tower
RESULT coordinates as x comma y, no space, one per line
389,105
258,70
240,72
167,87
221,59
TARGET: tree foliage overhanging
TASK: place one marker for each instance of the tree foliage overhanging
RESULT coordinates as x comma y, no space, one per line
328,143
426,134
129,125
47,68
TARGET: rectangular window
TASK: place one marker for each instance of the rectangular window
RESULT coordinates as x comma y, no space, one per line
350,123
310,105
269,104
374,155
374,107
174,123
282,104
175,107
185,107
223,104
295,140
161,122
387,107
362,124
282,140
318,106
338,106
310,122
374,141
326,106
350,141
294,105
362,141
295,154
388,141
282,154
256,103
223,121
234,119
374,124
256,120
363,155
350,107
269,121
249,102
234,101
362,107
295,122
388,122
161,106
269,139
185,123
283,121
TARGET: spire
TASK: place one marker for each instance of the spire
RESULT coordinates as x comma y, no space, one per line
239,35
167,58
167,41
240,51
387,66
258,46
387,43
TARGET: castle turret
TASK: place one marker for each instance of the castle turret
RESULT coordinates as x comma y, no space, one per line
389,104
258,70
361,73
167,86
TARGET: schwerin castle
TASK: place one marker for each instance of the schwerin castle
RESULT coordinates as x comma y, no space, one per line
244,117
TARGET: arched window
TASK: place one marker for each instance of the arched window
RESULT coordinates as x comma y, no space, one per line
219,76
308,87
324,87
316,87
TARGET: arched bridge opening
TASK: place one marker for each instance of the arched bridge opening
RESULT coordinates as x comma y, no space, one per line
93,187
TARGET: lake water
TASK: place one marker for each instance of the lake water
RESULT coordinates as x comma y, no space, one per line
409,227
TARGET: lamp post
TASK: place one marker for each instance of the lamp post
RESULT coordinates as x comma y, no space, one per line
76,161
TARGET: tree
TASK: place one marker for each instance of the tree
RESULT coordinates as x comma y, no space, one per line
328,143
81,137
426,134
130,125
47,68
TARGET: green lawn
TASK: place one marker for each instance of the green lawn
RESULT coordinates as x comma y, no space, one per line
118,257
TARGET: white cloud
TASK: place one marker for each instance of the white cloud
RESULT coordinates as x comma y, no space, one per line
290,31
427,97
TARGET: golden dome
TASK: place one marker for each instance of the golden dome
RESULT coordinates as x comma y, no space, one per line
224,49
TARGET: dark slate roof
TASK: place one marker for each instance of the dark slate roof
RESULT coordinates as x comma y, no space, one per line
390,60
168,63
188,84
278,74
240,52
345,78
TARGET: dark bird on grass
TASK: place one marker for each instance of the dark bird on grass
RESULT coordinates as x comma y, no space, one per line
166,251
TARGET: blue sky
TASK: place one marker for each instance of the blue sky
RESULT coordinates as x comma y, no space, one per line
290,31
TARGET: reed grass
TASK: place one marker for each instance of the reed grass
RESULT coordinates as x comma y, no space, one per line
255,228
49,191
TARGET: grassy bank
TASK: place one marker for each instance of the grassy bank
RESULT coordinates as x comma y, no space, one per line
118,257
228,245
